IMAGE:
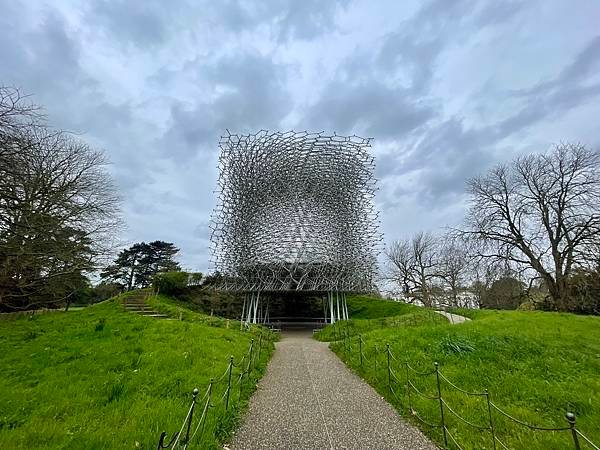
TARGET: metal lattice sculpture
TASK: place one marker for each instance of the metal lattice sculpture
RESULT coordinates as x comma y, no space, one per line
295,212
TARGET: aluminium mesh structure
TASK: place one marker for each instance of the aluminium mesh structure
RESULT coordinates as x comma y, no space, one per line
295,212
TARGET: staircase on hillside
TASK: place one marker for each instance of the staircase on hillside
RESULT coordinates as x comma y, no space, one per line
136,303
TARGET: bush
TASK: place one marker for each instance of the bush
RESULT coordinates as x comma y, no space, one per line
104,291
529,305
170,283
195,279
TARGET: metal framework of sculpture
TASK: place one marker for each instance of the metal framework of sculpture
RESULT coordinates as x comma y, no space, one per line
295,213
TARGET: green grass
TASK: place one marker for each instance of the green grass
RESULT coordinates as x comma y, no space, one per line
370,313
188,311
536,366
368,307
105,378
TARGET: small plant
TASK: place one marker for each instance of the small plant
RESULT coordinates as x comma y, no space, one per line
115,392
455,345
100,324
30,335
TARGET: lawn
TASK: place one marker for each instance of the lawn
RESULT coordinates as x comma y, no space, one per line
368,307
371,313
536,365
105,378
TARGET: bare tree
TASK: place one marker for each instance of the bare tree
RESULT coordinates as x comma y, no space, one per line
58,208
540,212
400,258
453,266
15,113
413,266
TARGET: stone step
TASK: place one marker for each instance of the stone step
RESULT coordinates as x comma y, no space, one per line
136,303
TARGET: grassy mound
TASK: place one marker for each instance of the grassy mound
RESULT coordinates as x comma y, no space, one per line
105,378
537,366
370,313
368,307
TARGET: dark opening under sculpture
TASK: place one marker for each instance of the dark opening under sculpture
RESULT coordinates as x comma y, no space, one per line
295,213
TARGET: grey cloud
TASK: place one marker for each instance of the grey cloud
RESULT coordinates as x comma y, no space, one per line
448,153
415,47
497,12
451,154
142,23
287,19
149,23
403,50
43,58
308,19
445,156
370,109
569,89
254,97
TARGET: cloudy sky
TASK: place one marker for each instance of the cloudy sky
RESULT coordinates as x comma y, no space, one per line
446,88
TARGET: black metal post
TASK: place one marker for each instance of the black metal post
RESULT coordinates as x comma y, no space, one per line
250,358
387,347
439,390
492,430
571,419
205,414
229,382
408,387
189,424
360,349
259,346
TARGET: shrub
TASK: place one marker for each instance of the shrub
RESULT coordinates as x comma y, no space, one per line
170,283
195,278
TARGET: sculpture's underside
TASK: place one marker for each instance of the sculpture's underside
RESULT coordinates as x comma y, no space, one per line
295,212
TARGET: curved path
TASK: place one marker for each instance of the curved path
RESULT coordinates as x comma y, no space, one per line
454,319
308,399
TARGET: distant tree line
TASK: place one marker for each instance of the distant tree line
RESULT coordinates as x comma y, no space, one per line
530,238
58,208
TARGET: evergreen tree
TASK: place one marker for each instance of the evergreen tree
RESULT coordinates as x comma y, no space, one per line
138,264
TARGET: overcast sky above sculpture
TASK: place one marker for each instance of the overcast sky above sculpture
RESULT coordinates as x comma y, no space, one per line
445,88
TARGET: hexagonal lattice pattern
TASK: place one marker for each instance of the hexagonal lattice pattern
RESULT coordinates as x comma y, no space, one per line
295,212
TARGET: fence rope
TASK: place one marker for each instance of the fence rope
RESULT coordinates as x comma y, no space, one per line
191,409
525,424
452,437
425,396
504,446
414,413
373,363
589,442
245,365
202,420
422,374
481,394
480,427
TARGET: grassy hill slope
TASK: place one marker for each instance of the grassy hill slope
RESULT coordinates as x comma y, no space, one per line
105,378
536,366
367,307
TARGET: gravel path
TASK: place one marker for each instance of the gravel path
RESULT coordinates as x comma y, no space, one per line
308,399
454,319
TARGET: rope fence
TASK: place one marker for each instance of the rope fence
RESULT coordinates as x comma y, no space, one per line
385,358
221,395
